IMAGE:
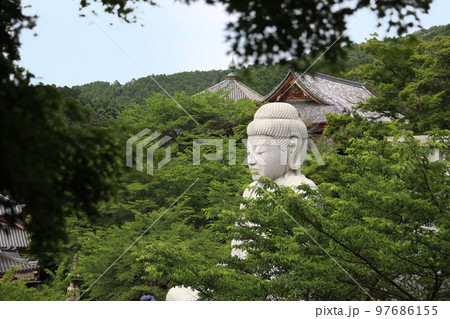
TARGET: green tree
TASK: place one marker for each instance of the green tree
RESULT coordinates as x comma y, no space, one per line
52,162
14,289
384,220
410,81
431,33
180,245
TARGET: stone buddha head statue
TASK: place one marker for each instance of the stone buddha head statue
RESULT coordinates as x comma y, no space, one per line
277,144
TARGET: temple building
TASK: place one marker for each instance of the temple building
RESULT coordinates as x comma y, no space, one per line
314,95
14,241
235,89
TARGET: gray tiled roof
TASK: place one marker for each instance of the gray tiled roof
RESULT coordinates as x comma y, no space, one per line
334,91
374,116
312,112
10,258
237,90
337,95
13,236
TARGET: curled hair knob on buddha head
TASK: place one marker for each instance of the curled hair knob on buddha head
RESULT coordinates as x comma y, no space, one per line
281,121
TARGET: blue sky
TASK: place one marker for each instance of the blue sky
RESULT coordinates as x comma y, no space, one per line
71,50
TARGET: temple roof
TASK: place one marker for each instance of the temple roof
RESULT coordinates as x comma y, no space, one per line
12,233
321,94
236,89
10,258
312,112
13,236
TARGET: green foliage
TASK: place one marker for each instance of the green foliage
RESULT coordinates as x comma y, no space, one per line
345,128
103,97
263,78
107,100
431,33
12,289
52,160
409,79
178,244
390,234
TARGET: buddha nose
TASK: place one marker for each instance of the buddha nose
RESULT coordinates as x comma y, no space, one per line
250,159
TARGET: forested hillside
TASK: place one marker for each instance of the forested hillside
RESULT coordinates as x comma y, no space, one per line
105,99
429,34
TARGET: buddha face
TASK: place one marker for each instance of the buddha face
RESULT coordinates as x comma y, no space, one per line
266,157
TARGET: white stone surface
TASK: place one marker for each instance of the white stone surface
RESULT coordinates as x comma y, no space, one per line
182,293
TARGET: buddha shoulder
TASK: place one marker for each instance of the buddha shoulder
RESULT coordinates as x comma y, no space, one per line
249,192
294,181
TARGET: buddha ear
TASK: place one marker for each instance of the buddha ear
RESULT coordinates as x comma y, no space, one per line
294,148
